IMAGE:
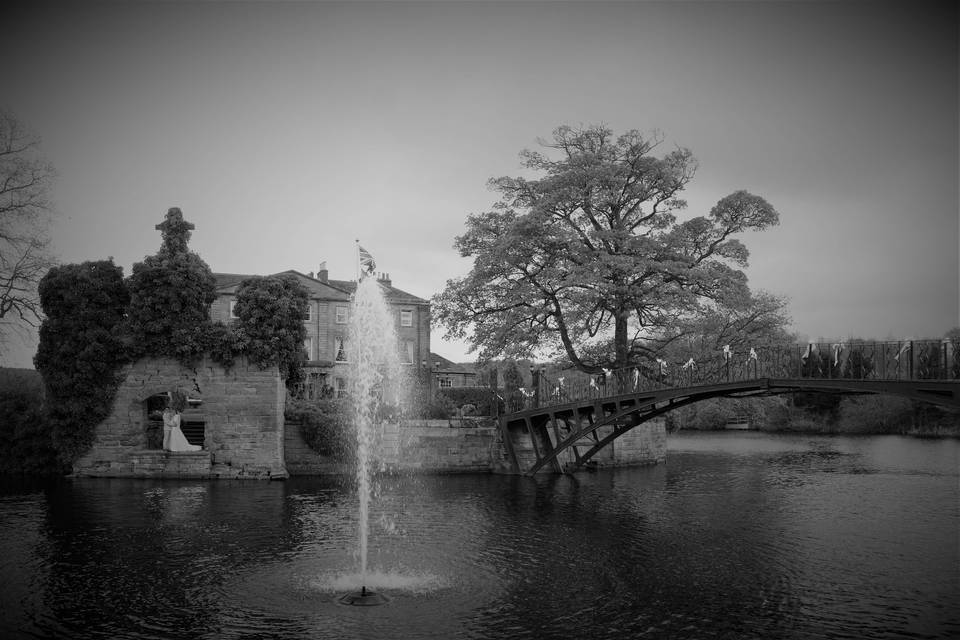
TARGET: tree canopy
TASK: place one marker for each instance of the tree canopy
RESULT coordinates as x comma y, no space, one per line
588,261
271,312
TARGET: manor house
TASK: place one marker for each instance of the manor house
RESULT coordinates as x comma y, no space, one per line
327,323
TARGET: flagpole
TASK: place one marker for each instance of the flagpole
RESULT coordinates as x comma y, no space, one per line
358,260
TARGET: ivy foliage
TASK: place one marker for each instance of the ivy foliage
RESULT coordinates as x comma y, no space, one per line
170,297
96,322
271,312
80,352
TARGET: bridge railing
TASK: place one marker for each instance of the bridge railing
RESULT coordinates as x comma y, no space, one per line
892,360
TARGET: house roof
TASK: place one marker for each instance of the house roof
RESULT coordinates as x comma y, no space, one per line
442,365
228,283
393,294
328,290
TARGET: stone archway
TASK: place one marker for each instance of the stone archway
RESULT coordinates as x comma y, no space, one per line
153,419
236,414
192,420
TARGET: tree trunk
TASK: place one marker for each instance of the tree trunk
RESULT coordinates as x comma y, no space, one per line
622,352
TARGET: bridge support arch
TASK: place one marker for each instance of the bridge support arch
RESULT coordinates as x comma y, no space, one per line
588,426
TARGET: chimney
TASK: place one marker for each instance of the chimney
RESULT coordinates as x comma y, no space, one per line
384,278
322,273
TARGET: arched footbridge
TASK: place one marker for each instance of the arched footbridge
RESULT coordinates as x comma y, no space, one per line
555,418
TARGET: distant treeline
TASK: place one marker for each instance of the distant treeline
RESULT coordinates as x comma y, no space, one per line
26,445
821,413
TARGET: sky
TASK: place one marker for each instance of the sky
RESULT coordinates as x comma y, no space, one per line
286,131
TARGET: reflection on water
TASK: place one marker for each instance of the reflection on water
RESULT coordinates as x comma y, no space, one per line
739,535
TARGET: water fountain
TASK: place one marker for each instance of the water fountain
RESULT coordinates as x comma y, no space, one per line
375,380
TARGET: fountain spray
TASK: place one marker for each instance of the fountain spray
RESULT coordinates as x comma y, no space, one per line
374,381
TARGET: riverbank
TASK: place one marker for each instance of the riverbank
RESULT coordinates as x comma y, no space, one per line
812,428
820,414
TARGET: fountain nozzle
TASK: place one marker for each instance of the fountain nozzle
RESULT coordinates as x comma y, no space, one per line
363,598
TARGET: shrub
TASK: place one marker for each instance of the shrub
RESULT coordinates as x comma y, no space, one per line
26,446
325,426
427,406
480,397
875,414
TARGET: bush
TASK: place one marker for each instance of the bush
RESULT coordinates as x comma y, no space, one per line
325,426
875,414
26,445
427,406
480,397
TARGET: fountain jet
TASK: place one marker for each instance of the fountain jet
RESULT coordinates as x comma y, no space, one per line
374,380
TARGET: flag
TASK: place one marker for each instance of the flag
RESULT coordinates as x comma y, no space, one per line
367,263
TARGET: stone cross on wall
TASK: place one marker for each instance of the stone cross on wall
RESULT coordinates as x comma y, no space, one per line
175,231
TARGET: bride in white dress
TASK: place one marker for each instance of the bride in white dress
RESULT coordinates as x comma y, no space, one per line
173,438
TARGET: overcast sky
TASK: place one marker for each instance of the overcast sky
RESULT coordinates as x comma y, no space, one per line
284,131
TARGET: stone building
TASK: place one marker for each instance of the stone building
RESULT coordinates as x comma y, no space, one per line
447,374
235,415
327,324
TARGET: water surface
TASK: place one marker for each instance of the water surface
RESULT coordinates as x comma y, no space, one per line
738,535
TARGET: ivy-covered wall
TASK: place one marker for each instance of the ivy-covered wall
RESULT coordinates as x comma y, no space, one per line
100,328
242,412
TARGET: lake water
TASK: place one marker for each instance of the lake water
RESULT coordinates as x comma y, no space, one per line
738,535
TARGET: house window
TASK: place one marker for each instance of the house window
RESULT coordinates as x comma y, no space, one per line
341,387
406,318
340,349
315,386
309,315
446,383
341,314
233,310
308,347
406,351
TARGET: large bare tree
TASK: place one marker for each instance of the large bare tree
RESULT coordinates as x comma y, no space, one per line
25,179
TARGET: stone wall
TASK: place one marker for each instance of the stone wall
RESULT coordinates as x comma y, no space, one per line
434,446
242,409
644,444
301,460
426,446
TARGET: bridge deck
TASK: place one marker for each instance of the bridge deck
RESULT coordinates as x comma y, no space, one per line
554,417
